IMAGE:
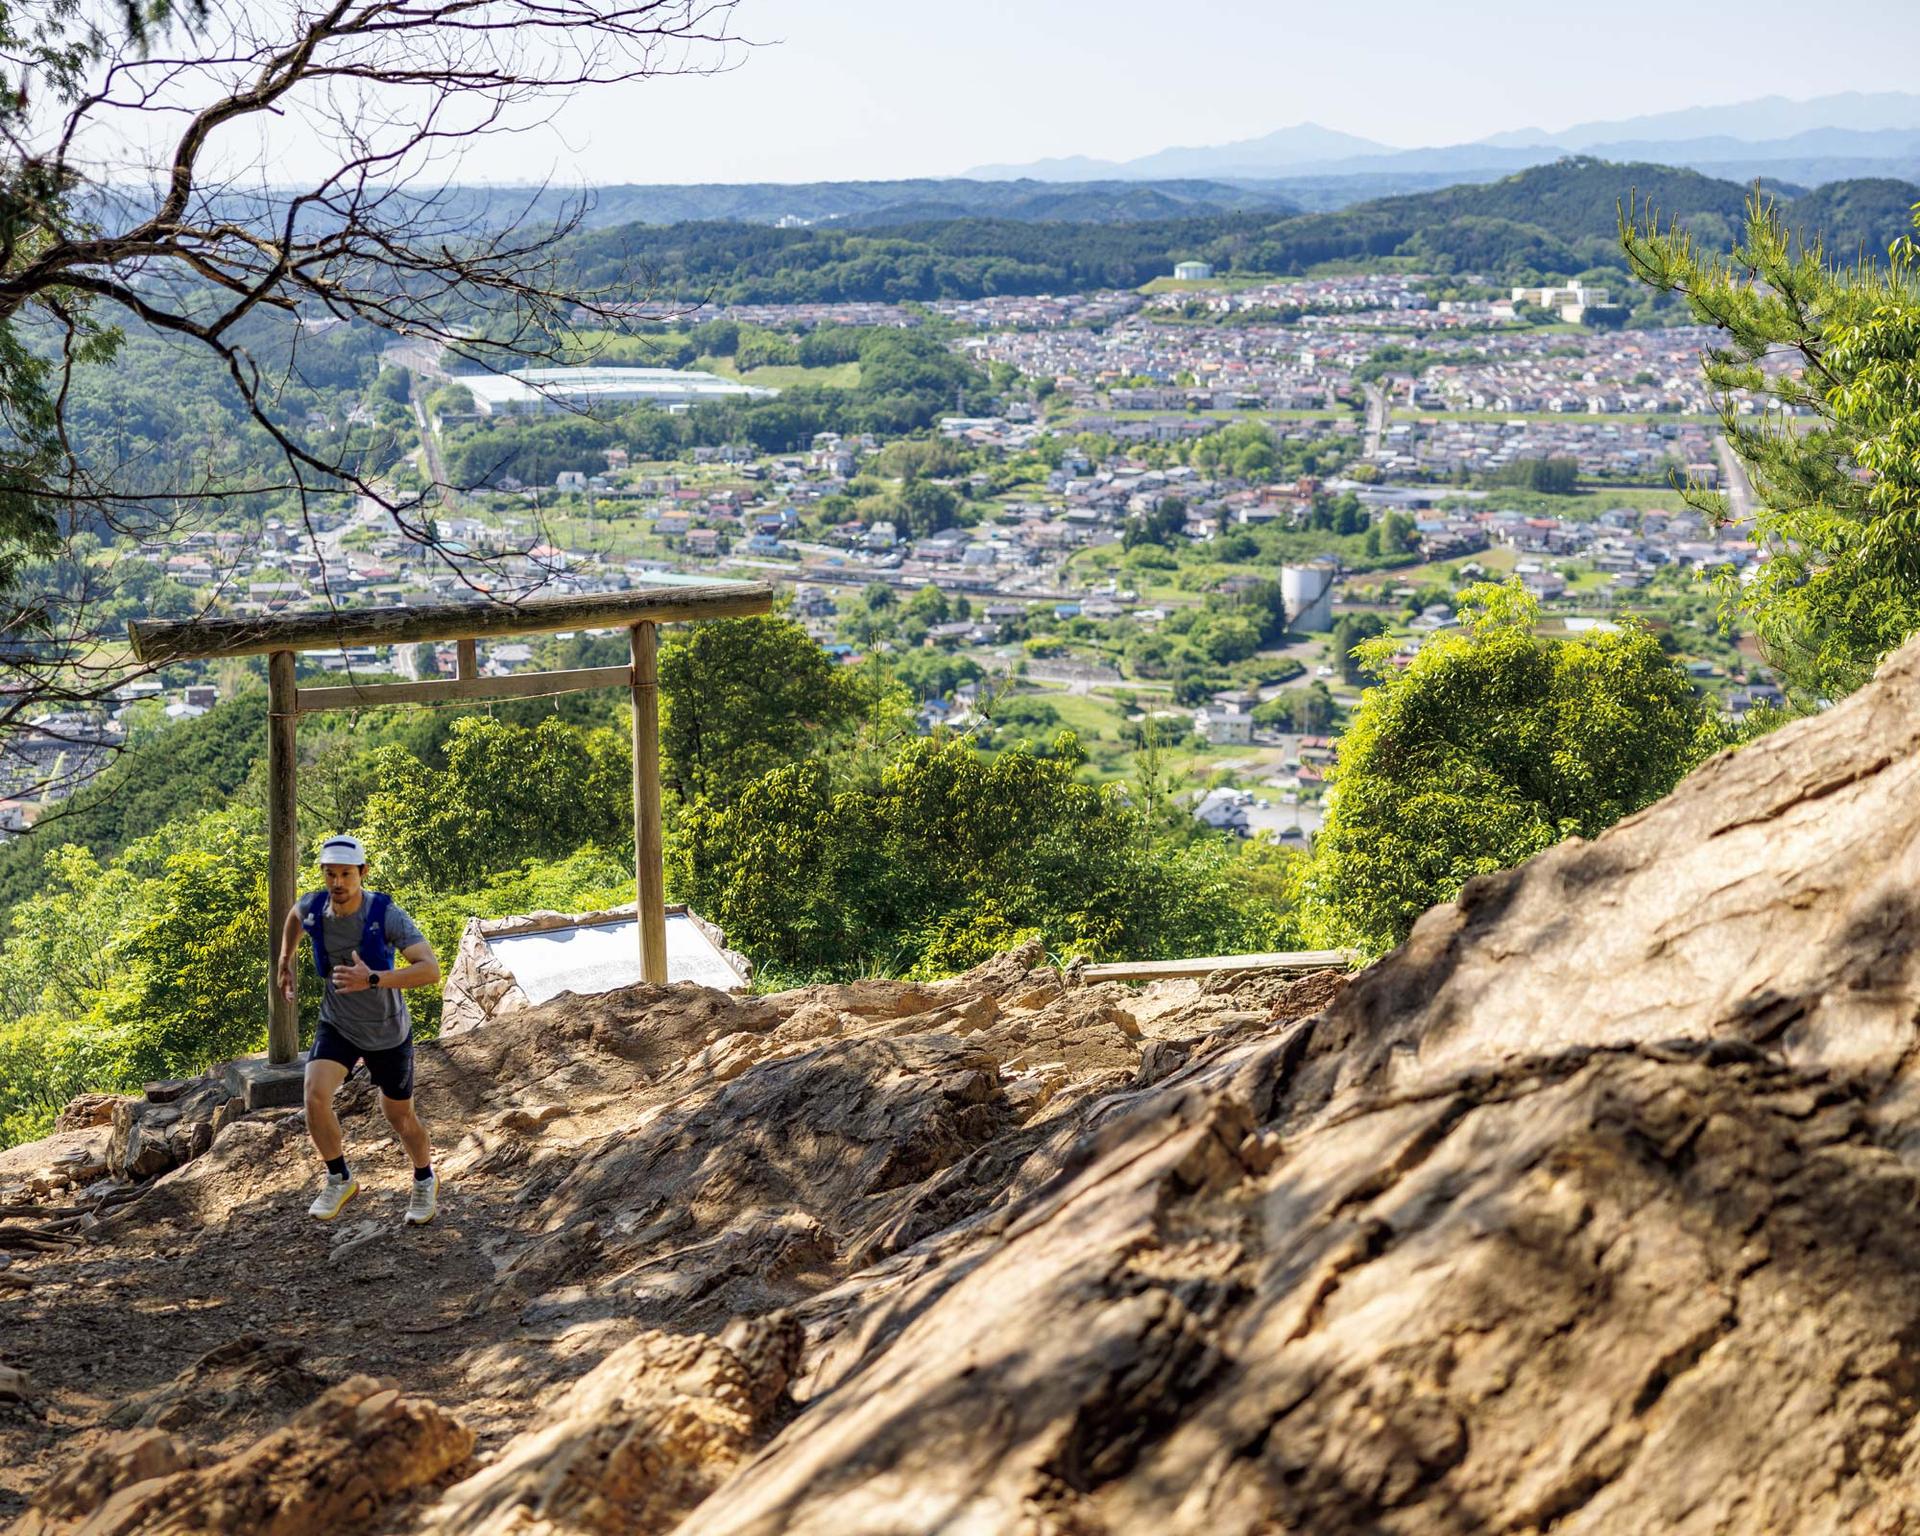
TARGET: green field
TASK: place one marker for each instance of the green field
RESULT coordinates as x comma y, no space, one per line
1220,282
837,376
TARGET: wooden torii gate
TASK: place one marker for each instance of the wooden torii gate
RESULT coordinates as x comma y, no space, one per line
280,637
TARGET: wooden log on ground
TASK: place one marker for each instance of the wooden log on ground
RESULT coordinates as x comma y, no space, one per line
101,1203
36,1239
1206,965
156,641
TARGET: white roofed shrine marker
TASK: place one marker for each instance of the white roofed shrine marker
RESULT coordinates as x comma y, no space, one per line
280,637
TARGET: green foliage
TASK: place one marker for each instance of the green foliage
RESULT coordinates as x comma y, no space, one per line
926,508
958,941
193,766
1549,476
1349,630
507,794
1161,525
152,967
1310,710
1493,744
817,871
155,965
1244,449
742,697
1835,459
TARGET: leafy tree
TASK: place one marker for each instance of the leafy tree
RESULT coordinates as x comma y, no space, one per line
1493,744
1549,476
1161,525
1835,459
741,697
185,768
1228,638
928,604
926,508
944,854
153,967
1310,710
508,793
719,338
1027,714
1349,630
227,278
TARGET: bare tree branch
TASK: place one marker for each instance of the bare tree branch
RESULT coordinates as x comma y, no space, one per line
137,191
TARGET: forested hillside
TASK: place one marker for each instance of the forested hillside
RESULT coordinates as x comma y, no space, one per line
1555,219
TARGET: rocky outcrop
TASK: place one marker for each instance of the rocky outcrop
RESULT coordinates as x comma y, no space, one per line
637,1443
172,1123
86,1110
1591,1210
339,1466
247,1380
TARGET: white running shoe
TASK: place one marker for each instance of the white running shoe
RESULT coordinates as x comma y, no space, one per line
333,1198
424,1201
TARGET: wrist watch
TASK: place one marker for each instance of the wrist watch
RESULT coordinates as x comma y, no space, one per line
373,978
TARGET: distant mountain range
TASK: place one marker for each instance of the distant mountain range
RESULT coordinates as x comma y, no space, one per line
1849,135
1557,219
866,204
1305,169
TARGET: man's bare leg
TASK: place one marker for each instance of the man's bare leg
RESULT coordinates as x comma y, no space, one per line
323,1126
423,1198
406,1125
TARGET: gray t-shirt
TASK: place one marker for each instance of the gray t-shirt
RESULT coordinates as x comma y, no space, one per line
377,1019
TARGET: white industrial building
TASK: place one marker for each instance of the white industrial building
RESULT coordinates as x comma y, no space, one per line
1192,271
1307,592
536,390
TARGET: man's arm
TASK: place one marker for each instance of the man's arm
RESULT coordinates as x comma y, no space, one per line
422,970
289,947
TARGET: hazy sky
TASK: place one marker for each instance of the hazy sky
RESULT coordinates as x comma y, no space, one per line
880,88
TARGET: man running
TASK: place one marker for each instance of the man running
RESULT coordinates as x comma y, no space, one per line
359,937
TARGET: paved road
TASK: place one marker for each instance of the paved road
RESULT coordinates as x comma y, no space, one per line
1739,488
1376,418
430,445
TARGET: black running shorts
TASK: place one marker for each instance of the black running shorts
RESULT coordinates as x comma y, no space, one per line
391,1070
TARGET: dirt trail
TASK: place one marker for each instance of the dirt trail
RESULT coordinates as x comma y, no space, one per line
1595,1208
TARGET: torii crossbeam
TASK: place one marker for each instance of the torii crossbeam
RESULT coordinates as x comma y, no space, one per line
280,637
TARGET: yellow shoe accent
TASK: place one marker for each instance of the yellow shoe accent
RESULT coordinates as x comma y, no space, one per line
333,1198
424,1201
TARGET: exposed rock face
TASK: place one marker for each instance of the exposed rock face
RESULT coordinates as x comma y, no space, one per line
245,1381
1591,1209
338,1466
86,1110
172,1124
636,1443
1595,1209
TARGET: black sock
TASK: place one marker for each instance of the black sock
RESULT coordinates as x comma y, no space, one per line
421,1175
337,1166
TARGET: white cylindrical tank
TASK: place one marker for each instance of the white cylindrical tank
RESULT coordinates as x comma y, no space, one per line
1307,590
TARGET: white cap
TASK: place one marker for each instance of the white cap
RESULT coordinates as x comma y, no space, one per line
342,850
